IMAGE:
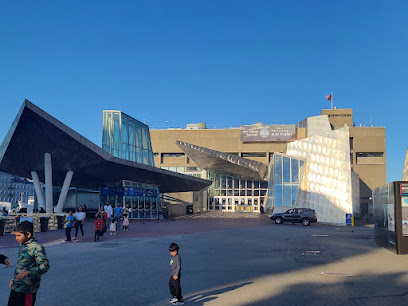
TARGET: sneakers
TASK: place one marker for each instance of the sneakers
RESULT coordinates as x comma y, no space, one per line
173,300
178,303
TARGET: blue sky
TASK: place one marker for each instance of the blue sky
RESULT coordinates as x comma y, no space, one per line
226,63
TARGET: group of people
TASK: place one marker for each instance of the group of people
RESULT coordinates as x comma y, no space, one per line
112,219
107,218
32,260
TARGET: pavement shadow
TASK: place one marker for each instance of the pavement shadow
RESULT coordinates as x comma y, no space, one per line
201,298
375,289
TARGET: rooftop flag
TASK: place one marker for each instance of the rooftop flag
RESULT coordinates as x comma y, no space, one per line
329,97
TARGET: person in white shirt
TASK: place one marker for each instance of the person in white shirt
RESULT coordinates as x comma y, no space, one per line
80,216
109,213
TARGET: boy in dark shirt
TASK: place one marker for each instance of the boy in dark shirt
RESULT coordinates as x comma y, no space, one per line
175,274
32,263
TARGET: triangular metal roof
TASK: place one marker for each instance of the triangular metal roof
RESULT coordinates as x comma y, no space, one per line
34,132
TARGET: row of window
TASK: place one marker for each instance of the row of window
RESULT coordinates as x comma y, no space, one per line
19,186
12,193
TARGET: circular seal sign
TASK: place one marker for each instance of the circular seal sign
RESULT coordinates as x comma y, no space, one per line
264,133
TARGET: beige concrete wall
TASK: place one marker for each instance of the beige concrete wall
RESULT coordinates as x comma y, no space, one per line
339,117
372,170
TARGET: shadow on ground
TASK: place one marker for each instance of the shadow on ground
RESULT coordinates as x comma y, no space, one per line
200,299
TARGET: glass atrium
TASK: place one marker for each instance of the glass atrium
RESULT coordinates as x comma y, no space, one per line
126,137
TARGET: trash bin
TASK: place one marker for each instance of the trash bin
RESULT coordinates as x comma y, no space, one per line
44,223
2,225
60,221
189,209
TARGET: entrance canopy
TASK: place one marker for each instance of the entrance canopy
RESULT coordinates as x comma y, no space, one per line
224,162
34,133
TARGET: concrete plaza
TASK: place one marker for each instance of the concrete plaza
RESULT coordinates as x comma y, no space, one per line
226,261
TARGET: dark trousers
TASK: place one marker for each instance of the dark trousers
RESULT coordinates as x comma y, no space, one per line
175,288
68,233
21,299
78,225
98,234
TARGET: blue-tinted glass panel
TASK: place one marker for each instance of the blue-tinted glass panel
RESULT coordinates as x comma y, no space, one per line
295,191
125,148
286,169
132,150
132,136
287,195
295,171
125,137
277,168
138,136
278,194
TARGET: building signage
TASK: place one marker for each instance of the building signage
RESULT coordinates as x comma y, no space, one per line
129,191
404,189
267,133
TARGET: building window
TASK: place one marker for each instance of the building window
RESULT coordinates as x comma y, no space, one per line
370,154
370,158
351,143
253,154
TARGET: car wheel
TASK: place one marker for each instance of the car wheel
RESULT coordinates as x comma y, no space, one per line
305,222
278,220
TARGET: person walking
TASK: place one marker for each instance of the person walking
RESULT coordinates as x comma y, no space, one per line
79,221
70,224
103,216
98,228
109,212
175,275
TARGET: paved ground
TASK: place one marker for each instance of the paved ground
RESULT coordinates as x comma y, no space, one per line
226,261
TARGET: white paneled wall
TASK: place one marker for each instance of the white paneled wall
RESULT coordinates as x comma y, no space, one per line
327,186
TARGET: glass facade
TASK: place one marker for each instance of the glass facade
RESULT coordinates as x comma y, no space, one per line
228,193
126,137
284,180
144,200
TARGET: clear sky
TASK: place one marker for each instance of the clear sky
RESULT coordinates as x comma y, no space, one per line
226,63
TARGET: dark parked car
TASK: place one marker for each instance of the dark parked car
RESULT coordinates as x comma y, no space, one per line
296,215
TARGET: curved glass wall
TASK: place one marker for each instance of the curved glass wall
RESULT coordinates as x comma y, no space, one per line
126,137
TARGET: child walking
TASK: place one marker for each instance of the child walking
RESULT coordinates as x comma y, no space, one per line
112,227
175,275
98,228
31,264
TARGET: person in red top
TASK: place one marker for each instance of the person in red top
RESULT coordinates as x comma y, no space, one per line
103,216
98,228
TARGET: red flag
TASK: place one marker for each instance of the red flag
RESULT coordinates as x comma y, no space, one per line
329,97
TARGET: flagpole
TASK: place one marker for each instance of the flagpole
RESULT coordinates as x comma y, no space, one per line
331,100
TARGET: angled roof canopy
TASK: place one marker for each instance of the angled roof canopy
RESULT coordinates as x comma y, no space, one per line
225,163
34,133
